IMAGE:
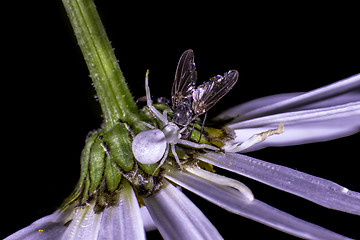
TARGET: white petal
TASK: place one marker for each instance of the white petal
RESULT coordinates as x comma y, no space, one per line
84,225
318,114
123,220
315,189
231,200
235,113
302,127
177,217
46,228
222,180
149,224
293,101
353,96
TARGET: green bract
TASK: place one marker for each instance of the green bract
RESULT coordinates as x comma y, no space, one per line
118,145
96,164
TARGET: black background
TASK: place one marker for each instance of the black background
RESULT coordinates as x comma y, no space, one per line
49,106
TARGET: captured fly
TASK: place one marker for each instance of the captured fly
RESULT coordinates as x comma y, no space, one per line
189,101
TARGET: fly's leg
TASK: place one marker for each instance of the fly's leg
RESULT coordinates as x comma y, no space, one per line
202,126
192,129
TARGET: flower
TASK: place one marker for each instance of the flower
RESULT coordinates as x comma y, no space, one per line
106,203
120,195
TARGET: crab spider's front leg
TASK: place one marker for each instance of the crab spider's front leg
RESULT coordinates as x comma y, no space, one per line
148,125
148,100
165,112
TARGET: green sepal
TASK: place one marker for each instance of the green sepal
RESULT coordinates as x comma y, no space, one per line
83,183
96,168
118,145
85,195
145,184
160,106
180,152
196,135
85,157
150,168
112,174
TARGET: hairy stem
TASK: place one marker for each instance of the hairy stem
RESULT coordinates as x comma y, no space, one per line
114,96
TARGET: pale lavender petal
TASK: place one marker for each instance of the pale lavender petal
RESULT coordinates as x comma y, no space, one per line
315,189
319,114
123,220
84,225
49,227
353,96
302,127
177,217
234,114
340,92
232,200
297,135
149,224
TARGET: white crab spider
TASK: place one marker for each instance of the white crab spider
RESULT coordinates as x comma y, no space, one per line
152,146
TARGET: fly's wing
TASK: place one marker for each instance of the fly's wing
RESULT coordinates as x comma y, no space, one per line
185,78
207,94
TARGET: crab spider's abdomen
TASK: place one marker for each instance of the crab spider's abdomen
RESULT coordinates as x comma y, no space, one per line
149,146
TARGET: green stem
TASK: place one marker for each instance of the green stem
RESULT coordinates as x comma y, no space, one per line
114,96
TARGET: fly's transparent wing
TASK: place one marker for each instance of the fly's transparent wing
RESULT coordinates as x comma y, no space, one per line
207,94
185,78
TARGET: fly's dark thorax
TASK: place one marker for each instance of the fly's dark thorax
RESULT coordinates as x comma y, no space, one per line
183,113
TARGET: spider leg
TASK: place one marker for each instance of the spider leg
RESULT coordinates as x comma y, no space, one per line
165,112
183,129
148,100
148,125
163,158
197,145
175,155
